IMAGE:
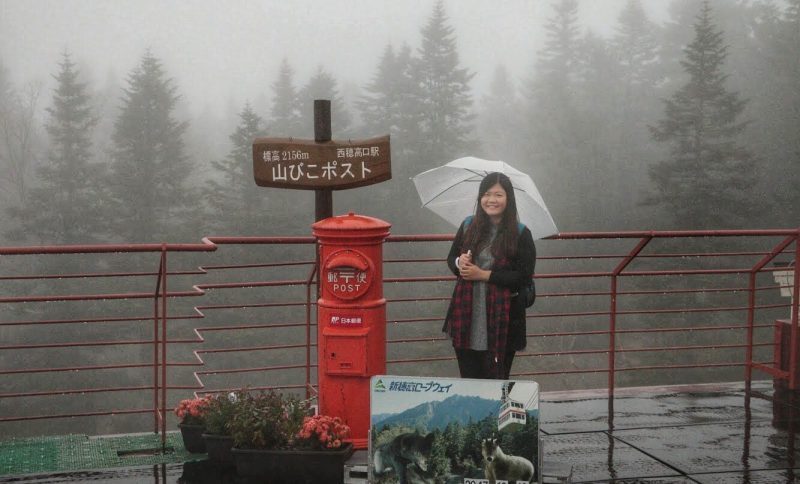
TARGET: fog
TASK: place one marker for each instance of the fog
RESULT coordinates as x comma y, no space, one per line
133,121
223,54
567,107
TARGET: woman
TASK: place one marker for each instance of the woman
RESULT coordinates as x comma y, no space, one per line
493,256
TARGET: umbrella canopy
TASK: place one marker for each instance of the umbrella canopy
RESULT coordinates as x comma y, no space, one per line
451,190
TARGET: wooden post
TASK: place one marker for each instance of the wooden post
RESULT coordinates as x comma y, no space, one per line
323,197
321,164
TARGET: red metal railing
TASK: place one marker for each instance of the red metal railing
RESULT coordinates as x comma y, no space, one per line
615,308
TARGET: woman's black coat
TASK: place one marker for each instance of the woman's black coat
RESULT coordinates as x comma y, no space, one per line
522,268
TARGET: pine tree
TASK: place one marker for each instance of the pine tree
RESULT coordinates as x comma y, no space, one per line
391,105
438,463
453,439
707,180
446,101
237,204
285,116
634,101
322,85
19,138
636,48
65,206
500,118
379,106
552,91
551,116
780,116
149,170
7,98
559,60
410,113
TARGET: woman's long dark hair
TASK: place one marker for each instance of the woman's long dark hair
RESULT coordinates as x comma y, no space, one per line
478,232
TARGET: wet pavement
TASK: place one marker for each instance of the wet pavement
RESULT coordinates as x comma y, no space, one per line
708,434
704,434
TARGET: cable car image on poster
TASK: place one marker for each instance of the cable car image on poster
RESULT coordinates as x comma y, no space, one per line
452,430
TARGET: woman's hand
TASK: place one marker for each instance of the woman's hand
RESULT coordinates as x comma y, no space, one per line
471,272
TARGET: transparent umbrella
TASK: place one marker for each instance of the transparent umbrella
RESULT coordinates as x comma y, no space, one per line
451,190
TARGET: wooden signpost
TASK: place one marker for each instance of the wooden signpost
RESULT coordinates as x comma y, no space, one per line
321,164
308,165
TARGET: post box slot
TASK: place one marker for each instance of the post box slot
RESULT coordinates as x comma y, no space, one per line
347,259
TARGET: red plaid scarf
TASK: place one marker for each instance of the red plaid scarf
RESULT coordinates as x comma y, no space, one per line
498,305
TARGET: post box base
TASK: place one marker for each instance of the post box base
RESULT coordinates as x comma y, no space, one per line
359,444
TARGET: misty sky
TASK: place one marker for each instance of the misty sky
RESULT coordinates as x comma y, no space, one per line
226,53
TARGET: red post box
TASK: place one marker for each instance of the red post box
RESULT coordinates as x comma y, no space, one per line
351,317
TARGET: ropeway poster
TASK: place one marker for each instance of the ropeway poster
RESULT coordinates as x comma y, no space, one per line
427,430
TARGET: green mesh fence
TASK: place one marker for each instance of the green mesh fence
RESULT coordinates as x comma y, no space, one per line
33,455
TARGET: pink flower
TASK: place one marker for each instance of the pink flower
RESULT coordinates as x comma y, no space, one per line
328,432
193,410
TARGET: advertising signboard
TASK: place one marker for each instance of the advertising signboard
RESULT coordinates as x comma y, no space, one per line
429,429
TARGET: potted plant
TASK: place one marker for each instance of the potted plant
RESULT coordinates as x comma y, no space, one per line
217,435
191,414
274,436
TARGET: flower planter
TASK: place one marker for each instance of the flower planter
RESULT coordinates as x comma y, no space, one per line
193,438
218,448
205,472
293,466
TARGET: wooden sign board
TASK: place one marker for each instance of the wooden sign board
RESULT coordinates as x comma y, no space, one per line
309,165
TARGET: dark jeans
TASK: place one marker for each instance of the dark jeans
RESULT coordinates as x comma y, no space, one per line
481,364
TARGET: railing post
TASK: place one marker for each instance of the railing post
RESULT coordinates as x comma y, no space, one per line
612,337
748,376
751,305
156,384
164,348
309,282
612,329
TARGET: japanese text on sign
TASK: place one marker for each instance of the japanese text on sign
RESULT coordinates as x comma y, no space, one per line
418,387
343,167
346,321
347,279
305,164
